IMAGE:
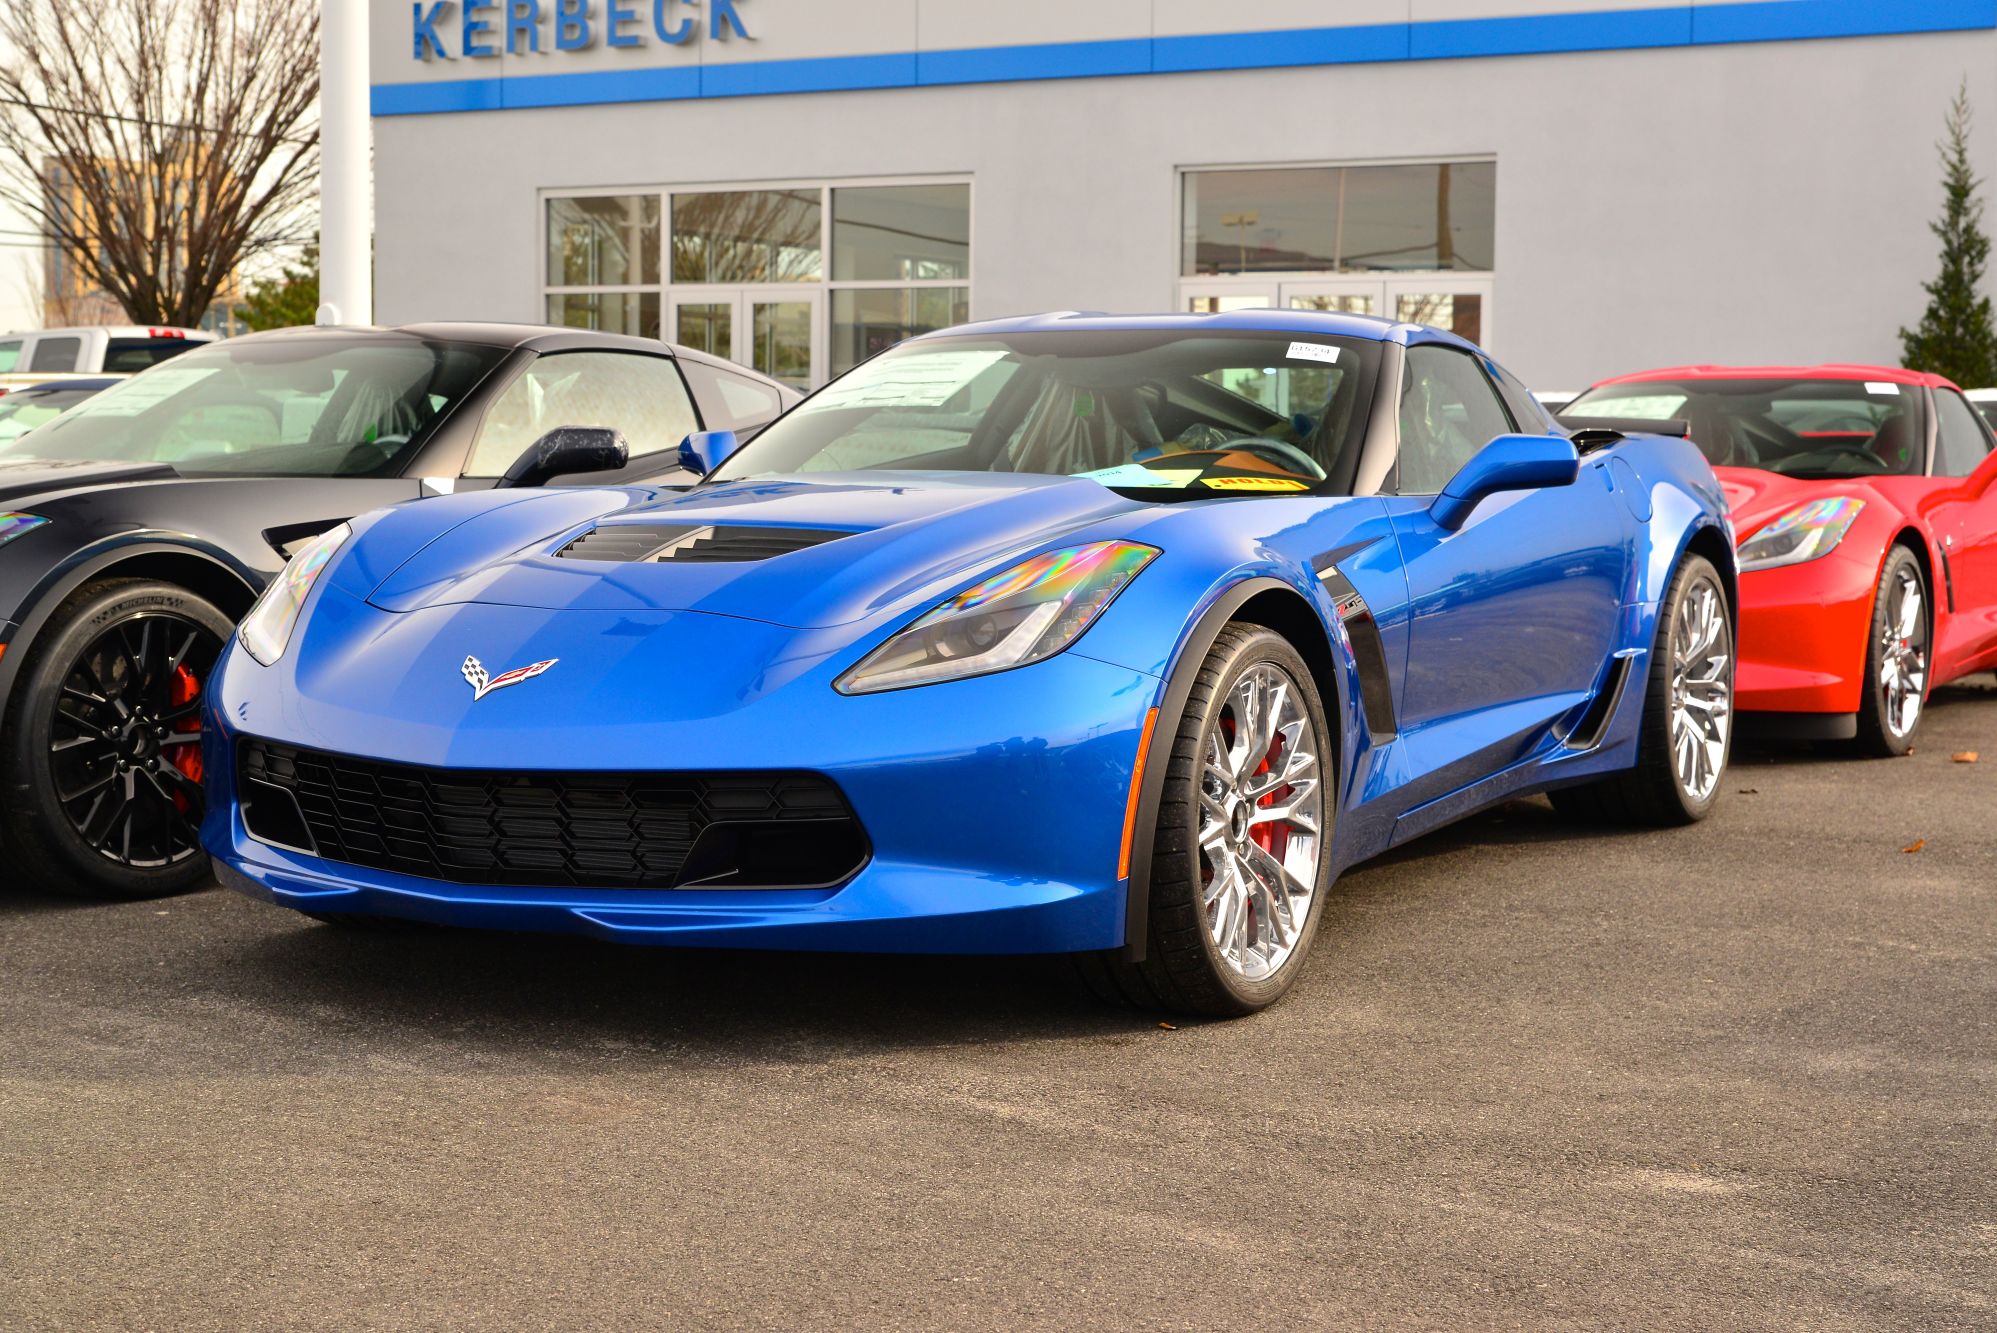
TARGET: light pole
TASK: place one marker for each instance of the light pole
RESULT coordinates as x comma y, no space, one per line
346,204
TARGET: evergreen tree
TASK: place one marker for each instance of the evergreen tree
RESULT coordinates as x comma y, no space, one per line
285,301
1957,336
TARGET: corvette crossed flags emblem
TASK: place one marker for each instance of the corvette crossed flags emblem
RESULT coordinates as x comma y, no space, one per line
482,684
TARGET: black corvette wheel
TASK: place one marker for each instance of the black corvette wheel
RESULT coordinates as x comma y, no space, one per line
1240,856
103,743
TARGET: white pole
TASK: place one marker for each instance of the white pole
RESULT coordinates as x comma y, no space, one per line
346,206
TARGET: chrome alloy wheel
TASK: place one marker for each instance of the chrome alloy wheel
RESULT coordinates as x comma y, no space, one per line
1261,822
1903,652
1702,675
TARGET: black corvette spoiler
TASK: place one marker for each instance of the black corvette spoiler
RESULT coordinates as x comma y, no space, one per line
1599,432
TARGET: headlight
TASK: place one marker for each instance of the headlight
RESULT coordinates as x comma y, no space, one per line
1804,533
1031,611
13,525
267,628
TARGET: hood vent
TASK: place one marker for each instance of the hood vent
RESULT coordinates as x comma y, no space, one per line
684,543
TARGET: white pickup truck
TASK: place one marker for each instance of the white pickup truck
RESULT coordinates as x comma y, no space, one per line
103,349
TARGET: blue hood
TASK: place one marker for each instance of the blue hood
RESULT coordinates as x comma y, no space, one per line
903,535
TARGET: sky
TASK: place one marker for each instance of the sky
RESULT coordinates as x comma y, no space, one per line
20,265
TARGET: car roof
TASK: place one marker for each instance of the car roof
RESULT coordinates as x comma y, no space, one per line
536,337
1834,371
1261,320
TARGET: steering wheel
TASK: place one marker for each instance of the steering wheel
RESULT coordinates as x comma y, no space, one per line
1878,466
1287,456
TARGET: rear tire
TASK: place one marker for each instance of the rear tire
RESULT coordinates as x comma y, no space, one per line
106,713
1686,736
1241,853
1896,659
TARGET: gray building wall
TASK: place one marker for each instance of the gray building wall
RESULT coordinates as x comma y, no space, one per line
1760,203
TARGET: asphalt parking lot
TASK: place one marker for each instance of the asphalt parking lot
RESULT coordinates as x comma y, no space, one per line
1742,1074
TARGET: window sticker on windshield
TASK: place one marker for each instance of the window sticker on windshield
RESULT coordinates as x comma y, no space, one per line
1136,474
145,391
1880,387
1256,484
926,379
1313,352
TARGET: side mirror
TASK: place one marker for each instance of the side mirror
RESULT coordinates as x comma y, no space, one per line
567,449
1508,463
705,450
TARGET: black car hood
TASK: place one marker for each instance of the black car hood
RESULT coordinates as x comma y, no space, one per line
25,478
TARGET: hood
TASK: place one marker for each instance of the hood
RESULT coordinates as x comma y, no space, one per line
1756,496
807,553
25,478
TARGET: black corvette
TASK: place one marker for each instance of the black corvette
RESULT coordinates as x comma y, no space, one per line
136,529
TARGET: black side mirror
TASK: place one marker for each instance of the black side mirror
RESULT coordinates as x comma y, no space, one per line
567,449
1508,463
705,450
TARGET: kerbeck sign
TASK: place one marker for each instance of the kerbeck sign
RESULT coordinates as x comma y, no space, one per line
485,29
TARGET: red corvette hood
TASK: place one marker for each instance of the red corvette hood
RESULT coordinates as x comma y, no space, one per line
1755,496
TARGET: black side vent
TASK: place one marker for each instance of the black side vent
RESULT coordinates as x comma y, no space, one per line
659,543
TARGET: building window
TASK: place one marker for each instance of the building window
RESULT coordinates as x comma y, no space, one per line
800,282
1411,241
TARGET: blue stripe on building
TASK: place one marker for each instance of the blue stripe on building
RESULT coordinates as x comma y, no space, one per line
1599,30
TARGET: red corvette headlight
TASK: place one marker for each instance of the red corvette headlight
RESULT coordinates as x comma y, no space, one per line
1804,533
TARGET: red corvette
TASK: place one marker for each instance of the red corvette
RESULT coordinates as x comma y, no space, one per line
1865,503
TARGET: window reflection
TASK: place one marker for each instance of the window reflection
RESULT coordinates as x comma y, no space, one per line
603,241
1460,312
748,236
866,321
901,233
1341,219
635,313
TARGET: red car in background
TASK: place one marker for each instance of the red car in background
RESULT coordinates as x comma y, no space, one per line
1865,504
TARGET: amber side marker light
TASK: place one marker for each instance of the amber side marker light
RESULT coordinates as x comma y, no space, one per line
1136,788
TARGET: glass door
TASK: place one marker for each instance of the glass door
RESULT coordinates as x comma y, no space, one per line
704,319
1345,296
778,330
1219,298
1461,305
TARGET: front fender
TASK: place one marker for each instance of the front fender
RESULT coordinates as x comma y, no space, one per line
78,566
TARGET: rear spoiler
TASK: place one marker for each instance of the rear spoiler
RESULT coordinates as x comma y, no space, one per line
1600,432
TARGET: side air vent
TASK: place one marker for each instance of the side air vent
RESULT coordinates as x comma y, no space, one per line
662,543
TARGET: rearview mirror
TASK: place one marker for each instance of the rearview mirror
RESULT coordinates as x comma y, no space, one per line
567,449
1508,463
705,450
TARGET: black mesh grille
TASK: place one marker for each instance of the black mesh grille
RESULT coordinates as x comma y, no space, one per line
576,830
680,543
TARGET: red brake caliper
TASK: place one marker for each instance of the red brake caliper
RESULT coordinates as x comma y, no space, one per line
184,755
1273,838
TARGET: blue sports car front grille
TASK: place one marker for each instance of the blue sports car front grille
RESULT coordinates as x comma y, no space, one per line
562,830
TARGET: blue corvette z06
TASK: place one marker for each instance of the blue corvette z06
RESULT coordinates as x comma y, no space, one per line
1117,637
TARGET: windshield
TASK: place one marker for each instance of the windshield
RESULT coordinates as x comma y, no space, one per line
337,406
1156,413
1797,427
25,409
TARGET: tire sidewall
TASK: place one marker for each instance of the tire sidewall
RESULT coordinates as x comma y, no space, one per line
1232,657
33,813
1694,570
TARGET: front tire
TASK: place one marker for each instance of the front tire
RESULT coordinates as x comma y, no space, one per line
1241,854
1896,659
1686,736
101,757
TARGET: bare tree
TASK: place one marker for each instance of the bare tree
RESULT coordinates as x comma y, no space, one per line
161,144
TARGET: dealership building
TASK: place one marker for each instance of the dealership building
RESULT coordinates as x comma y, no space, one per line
1586,187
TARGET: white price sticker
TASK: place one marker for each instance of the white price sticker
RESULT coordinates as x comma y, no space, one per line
1882,387
1313,352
